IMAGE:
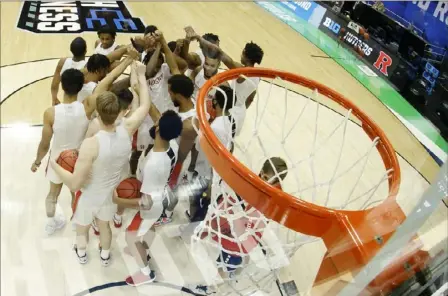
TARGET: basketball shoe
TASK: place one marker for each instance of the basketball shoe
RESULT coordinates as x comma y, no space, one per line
58,222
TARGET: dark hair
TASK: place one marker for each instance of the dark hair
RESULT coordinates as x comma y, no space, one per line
172,45
78,47
150,29
98,62
253,52
72,81
125,98
221,98
280,166
107,30
181,84
170,125
149,55
210,37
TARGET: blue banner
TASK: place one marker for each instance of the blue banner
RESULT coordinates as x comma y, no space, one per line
431,17
302,9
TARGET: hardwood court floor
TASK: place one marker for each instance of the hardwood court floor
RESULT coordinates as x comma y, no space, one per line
35,265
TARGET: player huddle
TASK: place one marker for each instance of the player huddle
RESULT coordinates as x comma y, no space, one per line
142,127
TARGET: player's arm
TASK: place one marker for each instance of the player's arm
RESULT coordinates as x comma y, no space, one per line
47,134
135,120
87,154
195,73
104,85
96,44
92,129
250,99
191,58
56,81
134,89
117,54
169,56
151,66
187,138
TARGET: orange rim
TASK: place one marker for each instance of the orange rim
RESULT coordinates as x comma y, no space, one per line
275,204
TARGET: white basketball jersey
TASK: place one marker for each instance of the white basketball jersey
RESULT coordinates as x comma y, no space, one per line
158,89
143,137
70,64
69,127
87,90
105,51
157,168
225,130
199,81
245,89
114,149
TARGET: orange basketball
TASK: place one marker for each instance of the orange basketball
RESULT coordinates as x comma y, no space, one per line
361,31
366,36
129,188
342,31
67,159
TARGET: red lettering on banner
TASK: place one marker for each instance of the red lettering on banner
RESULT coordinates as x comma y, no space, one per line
383,62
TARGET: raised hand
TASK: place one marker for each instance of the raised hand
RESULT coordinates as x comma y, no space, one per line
191,34
132,52
158,35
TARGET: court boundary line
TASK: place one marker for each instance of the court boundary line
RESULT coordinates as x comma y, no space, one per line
123,284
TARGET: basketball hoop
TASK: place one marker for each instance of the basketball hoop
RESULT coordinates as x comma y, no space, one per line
344,230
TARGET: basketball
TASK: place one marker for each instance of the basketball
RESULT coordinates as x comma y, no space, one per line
366,36
67,159
129,188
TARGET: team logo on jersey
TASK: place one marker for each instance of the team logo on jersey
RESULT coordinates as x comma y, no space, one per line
77,17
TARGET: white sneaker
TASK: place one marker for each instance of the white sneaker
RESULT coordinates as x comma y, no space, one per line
58,222
81,259
104,261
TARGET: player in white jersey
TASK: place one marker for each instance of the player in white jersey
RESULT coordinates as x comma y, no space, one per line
127,105
96,69
226,128
66,124
99,166
78,47
155,171
106,43
196,59
246,89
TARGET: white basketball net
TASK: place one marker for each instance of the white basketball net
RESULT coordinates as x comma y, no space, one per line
331,162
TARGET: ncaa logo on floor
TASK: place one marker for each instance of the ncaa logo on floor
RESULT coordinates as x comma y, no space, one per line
77,17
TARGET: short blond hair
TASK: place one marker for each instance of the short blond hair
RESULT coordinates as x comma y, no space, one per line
278,165
108,107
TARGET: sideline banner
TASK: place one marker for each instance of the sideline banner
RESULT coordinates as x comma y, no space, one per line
377,56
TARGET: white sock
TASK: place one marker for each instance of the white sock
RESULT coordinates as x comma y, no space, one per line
105,254
117,216
146,270
51,220
81,253
168,213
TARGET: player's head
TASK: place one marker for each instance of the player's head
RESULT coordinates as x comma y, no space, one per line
151,29
168,127
223,100
125,98
252,54
72,81
211,65
159,64
269,169
180,88
108,108
107,36
172,45
212,38
98,64
78,47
